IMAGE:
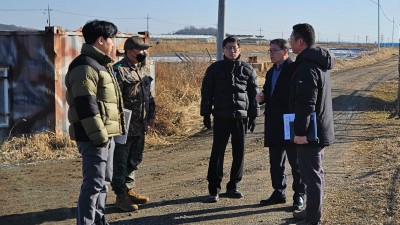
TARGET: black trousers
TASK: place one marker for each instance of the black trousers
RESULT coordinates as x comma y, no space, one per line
223,129
277,159
312,172
127,158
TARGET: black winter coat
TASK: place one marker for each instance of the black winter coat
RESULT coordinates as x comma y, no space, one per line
311,91
229,90
276,104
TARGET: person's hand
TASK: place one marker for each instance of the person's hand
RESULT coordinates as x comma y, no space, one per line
300,140
260,97
207,122
251,124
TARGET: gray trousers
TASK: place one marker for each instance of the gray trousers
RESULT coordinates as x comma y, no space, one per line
312,174
97,166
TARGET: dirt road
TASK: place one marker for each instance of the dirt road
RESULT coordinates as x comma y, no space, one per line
362,187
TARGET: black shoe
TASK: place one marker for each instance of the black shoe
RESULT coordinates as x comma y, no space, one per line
298,203
234,194
273,200
213,198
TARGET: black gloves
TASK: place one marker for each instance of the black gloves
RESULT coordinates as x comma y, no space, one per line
252,124
207,122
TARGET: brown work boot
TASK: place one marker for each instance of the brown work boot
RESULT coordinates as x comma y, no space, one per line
137,198
124,203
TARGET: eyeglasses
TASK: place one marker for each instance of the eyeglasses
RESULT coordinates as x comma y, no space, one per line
235,48
273,51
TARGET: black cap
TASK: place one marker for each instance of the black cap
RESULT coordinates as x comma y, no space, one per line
135,43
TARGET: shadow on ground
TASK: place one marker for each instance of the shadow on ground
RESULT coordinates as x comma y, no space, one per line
35,218
200,215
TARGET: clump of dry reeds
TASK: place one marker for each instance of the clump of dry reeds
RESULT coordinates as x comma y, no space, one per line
37,147
178,98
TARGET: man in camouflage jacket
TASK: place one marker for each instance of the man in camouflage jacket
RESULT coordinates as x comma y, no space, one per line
135,84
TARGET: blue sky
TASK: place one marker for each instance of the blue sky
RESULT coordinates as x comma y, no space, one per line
333,20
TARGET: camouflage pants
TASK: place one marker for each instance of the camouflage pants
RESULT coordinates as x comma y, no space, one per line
127,159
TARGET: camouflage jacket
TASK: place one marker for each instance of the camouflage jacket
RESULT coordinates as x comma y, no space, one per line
135,84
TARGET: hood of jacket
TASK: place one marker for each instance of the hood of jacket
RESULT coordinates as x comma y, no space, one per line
320,56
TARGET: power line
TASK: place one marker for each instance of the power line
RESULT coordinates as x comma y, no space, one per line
20,10
380,6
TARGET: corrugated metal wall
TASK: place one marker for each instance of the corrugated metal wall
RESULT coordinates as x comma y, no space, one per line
38,62
29,56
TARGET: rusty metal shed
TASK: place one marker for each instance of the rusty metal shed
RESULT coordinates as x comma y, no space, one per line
33,65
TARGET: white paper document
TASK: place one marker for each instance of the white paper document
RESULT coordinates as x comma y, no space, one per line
121,139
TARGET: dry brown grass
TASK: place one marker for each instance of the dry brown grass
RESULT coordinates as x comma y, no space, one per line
366,59
37,147
177,99
195,47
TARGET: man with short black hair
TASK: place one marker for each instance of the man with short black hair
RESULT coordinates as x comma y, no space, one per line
275,95
228,92
311,92
96,115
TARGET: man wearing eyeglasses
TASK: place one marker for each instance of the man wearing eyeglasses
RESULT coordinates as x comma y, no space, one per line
275,96
228,92
311,92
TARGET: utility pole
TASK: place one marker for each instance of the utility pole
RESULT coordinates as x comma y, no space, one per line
48,14
393,31
221,28
147,18
379,30
260,32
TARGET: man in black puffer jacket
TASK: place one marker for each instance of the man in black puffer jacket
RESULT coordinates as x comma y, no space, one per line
228,92
311,92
